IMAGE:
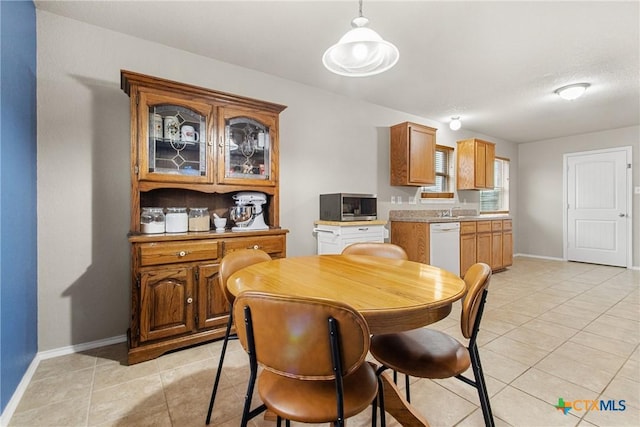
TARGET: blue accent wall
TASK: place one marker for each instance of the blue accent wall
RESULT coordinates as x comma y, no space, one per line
18,203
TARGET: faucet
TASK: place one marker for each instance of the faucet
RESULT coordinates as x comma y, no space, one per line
451,210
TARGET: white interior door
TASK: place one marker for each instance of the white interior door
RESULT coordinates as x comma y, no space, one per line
598,208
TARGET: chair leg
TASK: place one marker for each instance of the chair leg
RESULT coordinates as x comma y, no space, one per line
407,388
383,415
219,372
483,393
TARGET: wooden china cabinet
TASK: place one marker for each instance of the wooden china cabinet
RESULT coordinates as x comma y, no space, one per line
195,148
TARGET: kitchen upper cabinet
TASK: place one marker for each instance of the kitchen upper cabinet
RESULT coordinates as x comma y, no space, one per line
475,164
412,156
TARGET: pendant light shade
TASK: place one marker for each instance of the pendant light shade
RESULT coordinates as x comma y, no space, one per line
360,52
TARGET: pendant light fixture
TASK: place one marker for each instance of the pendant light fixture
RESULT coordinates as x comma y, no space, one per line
360,52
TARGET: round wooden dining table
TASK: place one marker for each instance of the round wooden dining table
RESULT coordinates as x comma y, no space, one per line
392,295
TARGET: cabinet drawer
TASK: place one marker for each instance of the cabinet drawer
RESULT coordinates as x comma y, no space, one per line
507,224
483,226
269,244
468,227
170,252
372,231
496,225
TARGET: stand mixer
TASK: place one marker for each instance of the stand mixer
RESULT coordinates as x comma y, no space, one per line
248,214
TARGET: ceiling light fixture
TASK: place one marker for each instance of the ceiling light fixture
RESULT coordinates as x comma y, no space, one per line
455,123
571,92
360,52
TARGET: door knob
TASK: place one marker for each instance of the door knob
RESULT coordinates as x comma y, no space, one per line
621,215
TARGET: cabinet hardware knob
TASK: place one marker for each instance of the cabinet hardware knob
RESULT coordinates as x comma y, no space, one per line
182,253
621,215
256,247
189,300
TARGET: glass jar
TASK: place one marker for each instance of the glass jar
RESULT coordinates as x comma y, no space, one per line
177,220
152,221
199,219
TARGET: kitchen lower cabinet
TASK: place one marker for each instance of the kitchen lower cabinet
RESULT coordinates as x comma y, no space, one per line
496,245
483,238
507,243
487,241
176,300
334,236
467,245
413,237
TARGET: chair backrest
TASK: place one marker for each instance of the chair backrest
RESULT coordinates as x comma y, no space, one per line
477,279
291,334
384,250
236,260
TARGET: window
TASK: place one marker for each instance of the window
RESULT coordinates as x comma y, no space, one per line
497,200
442,187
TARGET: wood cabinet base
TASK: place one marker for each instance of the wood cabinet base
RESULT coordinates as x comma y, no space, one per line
152,350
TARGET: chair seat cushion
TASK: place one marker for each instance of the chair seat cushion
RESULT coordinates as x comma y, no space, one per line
423,353
314,401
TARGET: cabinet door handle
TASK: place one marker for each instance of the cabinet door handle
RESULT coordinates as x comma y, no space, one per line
363,229
189,300
183,253
220,142
256,247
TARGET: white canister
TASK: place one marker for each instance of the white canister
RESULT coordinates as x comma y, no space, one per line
152,221
176,220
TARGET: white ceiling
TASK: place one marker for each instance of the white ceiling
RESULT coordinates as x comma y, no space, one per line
495,64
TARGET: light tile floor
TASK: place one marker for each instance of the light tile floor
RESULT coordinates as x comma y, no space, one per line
551,329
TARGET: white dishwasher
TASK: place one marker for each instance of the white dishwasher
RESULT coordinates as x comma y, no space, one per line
444,246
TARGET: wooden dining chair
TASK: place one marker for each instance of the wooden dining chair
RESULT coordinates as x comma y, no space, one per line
312,352
384,250
229,264
427,353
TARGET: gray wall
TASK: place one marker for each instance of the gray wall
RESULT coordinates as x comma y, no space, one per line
540,188
329,143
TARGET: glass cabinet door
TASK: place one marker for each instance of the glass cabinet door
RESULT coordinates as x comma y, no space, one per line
176,134
247,148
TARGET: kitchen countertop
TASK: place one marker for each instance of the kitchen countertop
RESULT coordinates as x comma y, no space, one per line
423,215
348,223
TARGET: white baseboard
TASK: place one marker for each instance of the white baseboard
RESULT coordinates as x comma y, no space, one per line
634,267
42,355
62,351
539,257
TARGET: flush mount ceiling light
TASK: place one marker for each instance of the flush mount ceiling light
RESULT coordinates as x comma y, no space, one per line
455,123
571,92
360,52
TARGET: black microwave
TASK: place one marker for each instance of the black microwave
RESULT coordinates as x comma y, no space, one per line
348,207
